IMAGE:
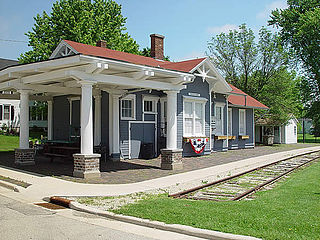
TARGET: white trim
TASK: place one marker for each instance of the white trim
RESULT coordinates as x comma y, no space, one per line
193,101
131,97
191,98
154,100
155,135
229,118
244,127
222,105
163,119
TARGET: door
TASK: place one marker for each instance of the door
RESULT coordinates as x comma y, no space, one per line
141,133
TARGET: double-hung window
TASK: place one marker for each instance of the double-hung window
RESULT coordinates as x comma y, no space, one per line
128,107
1,112
230,121
194,117
6,112
219,118
242,122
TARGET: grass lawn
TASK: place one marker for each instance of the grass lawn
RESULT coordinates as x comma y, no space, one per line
289,211
9,143
308,138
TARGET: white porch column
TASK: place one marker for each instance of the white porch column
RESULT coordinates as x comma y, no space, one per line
171,119
171,157
86,118
115,127
24,119
24,155
97,120
50,120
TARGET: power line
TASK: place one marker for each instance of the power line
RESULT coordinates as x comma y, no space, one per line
11,40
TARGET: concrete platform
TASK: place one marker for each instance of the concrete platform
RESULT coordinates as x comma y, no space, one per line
44,186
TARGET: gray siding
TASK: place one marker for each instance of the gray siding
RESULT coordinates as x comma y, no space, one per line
124,124
220,145
239,143
201,87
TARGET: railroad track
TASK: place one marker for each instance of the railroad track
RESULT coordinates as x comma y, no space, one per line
243,185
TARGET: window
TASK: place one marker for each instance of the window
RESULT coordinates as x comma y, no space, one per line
150,104
128,107
0,112
6,112
242,122
163,123
219,119
295,130
230,121
194,112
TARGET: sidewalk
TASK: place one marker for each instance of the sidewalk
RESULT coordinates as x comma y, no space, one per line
44,186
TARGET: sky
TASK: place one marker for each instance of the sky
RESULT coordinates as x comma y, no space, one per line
187,25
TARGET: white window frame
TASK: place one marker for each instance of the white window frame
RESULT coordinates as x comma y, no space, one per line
244,127
230,121
154,101
163,116
9,113
131,97
222,105
195,100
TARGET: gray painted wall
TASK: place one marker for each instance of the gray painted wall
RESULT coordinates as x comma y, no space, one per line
239,143
201,87
220,145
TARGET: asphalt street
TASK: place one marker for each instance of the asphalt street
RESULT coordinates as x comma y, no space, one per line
21,220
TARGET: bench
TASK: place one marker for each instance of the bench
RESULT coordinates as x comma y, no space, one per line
53,155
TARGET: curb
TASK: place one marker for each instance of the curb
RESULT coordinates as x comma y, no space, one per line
9,185
177,228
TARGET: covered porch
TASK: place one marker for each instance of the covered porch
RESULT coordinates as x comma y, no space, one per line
97,85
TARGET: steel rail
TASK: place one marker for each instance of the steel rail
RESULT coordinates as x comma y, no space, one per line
254,189
194,189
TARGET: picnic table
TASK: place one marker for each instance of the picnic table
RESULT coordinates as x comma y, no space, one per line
60,149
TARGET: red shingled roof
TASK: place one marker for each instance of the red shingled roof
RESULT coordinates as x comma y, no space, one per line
184,66
240,100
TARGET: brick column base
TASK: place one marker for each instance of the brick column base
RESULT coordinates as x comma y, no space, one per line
171,159
86,165
24,157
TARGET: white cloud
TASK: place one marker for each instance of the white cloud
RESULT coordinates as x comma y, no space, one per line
222,29
263,15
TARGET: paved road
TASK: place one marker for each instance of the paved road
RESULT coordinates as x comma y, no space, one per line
20,220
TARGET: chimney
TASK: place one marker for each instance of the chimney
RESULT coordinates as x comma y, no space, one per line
157,46
102,43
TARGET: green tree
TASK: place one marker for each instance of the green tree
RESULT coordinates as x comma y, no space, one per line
260,68
147,53
82,21
299,26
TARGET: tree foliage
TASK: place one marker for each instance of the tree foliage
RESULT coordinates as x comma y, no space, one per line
147,53
259,68
299,27
82,21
